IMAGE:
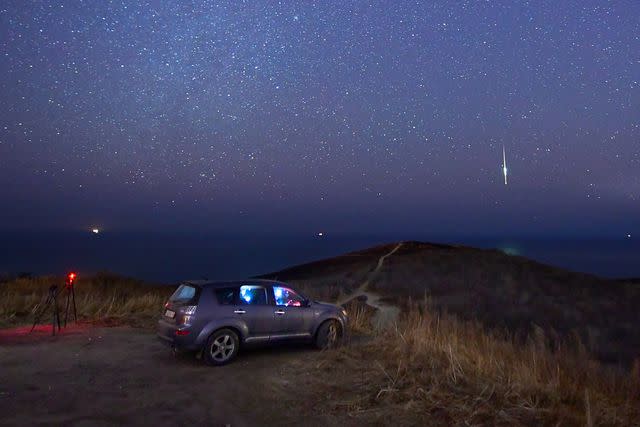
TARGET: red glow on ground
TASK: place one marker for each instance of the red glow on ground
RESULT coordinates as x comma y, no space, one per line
20,334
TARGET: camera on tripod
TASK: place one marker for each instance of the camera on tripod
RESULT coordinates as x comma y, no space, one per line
52,300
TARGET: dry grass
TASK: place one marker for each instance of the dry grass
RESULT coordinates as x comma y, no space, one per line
428,369
497,289
451,372
100,297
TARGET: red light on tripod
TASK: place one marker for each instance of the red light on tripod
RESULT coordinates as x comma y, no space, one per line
71,277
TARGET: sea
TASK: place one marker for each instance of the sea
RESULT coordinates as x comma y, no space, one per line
171,257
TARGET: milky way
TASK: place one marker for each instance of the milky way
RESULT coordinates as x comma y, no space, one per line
326,115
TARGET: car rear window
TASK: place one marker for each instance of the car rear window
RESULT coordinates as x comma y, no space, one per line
185,293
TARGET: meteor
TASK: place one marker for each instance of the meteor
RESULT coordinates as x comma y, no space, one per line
504,165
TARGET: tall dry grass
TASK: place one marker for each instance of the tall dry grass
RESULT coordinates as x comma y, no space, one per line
428,368
99,297
438,369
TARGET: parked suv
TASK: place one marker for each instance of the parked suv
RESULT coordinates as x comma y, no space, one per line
220,317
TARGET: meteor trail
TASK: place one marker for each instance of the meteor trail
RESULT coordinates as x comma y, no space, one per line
504,165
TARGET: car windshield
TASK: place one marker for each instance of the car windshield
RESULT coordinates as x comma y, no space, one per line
183,293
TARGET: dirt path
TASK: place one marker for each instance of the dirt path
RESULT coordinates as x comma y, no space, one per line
124,376
386,314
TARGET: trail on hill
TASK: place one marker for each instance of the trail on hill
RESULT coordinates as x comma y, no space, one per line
386,314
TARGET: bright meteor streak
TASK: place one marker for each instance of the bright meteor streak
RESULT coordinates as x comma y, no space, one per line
504,165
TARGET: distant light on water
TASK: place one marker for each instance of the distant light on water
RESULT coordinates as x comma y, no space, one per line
510,250
95,230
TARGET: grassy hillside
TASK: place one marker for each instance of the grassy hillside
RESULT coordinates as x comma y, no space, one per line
436,369
500,290
438,363
100,297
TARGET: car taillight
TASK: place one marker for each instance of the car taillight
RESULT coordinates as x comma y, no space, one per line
182,332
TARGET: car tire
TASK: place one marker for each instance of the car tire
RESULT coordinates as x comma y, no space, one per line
329,335
221,348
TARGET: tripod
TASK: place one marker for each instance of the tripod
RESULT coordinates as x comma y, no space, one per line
52,298
71,299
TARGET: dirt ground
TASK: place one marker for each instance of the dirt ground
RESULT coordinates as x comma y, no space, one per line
119,375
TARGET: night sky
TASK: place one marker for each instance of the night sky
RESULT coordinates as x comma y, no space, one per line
302,117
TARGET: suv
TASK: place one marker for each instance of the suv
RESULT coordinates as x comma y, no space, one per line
219,317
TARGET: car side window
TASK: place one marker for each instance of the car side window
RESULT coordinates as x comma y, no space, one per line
287,297
253,295
226,296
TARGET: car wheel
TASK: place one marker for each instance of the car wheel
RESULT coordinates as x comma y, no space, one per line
329,335
222,346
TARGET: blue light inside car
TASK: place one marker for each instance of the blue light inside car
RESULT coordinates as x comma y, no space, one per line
245,296
278,293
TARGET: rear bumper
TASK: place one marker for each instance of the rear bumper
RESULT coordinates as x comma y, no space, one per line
166,333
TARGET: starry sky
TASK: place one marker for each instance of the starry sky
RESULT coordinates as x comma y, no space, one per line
347,116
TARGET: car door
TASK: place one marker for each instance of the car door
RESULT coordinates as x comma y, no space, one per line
254,306
290,311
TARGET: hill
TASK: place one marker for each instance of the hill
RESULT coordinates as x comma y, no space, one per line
429,367
500,290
